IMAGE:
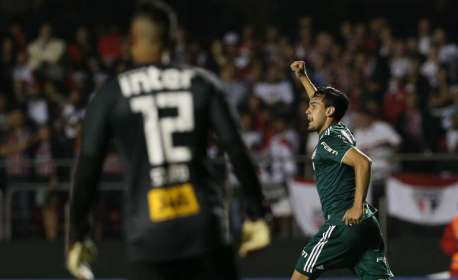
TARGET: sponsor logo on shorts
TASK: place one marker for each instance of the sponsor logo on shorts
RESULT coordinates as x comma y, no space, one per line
304,254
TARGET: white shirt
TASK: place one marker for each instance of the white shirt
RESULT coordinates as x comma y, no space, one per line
400,66
38,111
424,44
377,141
272,93
235,92
430,70
40,51
72,117
447,53
282,164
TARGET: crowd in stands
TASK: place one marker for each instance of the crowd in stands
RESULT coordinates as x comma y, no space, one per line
403,90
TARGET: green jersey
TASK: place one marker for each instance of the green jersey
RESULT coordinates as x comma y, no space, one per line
335,180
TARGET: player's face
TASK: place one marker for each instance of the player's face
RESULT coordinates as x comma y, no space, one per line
316,114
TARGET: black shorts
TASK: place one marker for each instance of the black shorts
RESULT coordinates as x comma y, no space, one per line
219,264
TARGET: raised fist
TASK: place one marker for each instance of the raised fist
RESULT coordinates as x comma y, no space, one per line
298,67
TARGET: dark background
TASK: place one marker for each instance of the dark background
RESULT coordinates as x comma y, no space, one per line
205,19
199,17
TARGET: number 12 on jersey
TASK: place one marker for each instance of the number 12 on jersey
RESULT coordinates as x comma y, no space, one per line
159,131
177,200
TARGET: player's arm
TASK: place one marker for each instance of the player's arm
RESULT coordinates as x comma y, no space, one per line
95,137
298,67
256,234
362,166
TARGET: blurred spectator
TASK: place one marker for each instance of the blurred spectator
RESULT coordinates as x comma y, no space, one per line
22,72
180,53
216,57
280,168
17,160
234,89
252,137
45,173
45,48
400,63
72,114
450,123
81,49
303,44
37,106
17,142
394,102
424,36
448,51
109,45
379,141
3,115
320,74
449,245
16,32
430,67
271,47
411,125
275,88
7,63
3,131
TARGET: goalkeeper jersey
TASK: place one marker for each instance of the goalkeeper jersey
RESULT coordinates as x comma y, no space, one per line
160,117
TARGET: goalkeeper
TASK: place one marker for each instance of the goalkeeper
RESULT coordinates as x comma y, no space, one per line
160,116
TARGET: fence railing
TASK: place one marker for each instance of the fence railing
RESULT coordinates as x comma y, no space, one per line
7,196
7,224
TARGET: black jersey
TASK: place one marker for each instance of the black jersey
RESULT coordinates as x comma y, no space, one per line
160,118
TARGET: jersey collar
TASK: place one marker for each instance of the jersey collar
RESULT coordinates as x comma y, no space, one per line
327,131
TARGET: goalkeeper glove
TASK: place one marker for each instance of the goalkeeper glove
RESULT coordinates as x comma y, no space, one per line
79,257
255,236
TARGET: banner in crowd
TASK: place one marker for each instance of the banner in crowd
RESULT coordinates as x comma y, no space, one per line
422,199
306,205
426,200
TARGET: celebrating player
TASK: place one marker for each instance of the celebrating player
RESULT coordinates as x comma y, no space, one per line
160,116
350,236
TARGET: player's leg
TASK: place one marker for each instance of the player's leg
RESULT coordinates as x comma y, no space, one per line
299,276
373,264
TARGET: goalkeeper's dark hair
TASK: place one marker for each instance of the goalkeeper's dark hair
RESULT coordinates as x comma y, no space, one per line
335,98
160,14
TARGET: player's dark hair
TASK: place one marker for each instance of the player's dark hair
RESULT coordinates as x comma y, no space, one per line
162,15
335,98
